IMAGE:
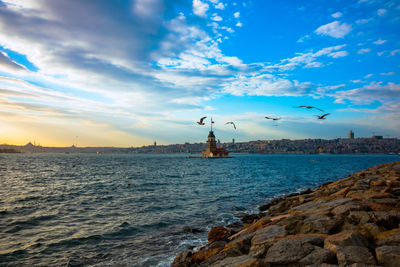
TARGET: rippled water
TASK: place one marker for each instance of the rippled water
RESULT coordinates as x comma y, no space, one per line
130,210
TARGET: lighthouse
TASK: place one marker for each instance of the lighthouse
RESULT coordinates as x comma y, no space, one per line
211,150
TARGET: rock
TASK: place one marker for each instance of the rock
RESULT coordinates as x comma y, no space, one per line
358,217
391,237
350,206
345,238
318,224
192,230
250,218
318,256
388,256
239,246
292,224
182,259
242,261
264,238
354,254
218,233
288,251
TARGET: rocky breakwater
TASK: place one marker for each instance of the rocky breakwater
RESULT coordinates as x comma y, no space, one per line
351,222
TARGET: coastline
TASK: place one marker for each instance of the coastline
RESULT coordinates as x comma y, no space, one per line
353,221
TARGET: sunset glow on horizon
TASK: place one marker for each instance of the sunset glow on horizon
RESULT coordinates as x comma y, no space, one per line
127,73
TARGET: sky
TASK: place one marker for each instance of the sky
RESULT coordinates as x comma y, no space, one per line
128,73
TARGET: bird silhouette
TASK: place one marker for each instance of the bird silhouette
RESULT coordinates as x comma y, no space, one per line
231,122
308,107
322,117
201,121
274,119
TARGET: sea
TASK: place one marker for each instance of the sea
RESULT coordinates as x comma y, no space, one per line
131,209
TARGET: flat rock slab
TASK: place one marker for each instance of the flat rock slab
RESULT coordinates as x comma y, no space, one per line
264,238
288,251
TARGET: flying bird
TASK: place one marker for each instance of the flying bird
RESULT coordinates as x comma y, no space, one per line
274,119
308,107
201,121
231,122
322,117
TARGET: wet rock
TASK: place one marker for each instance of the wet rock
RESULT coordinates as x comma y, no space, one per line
388,256
318,256
348,255
250,218
287,251
264,238
192,230
218,233
345,238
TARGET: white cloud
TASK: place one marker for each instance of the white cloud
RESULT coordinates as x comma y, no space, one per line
387,73
200,8
220,6
363,51
338,54
368,76
216,18
334,29
236,14
337,15
239,24
356,81
381,53
380,41
381,12
7,64
313,64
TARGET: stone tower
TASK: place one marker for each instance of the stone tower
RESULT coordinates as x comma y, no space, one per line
350,135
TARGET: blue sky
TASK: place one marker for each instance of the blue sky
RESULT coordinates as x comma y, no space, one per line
126,73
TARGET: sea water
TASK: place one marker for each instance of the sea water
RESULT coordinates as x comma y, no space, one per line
130,209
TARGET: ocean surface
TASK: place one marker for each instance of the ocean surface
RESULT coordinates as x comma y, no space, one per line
130,209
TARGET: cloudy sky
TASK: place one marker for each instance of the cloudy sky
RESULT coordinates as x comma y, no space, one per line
126,73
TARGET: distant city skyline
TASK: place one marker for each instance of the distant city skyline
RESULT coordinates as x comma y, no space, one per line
105,73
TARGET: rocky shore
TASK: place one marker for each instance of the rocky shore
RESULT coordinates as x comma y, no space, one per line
350,222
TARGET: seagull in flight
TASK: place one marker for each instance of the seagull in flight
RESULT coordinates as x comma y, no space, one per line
274,119
201,121
231,122
308,107
322,117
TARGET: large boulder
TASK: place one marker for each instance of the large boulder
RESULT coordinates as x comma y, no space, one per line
388,256
318,224
348,255
264,238
318,256
345,238
287,251
182,259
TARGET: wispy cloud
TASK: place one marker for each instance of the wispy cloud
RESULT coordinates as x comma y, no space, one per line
334,29
380,41
364,51
337,15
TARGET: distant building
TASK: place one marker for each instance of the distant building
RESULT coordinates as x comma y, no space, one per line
233,141
155,143
377,137
350,135
211,150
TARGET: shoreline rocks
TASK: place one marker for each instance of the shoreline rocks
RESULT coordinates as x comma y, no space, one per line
354,221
